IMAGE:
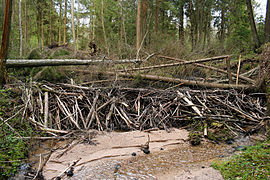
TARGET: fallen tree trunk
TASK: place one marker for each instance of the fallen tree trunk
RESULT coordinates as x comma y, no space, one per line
175,64
177,80
12,63
211,68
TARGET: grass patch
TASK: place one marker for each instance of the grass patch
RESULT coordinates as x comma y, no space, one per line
253,163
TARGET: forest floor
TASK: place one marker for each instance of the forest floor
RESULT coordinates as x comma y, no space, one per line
118,155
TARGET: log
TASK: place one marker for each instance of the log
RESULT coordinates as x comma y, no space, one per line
175,64
12,63
212,68
177,80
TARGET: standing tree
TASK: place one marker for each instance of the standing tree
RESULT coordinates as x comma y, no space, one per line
156,16
65,23
191,19
267,23
60,21
5,41
73,26
252,24
20,26
138,25
103,26
78,24
25,22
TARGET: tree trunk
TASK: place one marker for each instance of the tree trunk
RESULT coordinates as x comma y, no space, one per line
191,24
5,41
65,23
20,63
252,24
50,26
138,26
20,26
78,24
25,22
73,26
42,29
60,23
103,26
264,75
156,16
181,23
267,23
222,27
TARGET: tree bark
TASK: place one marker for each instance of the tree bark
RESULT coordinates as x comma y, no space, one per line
73,26
138,26
20,26
60,23
267,23
5,41
252,24
65,23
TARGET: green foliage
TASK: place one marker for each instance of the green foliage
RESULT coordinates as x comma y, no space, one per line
60,52
12,149
253,163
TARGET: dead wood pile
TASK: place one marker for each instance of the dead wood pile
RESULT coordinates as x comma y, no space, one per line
63,108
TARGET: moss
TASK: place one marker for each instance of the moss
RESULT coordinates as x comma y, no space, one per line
252,163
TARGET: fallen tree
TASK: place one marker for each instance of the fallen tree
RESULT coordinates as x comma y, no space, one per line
176,64
177,80
211,68
12,63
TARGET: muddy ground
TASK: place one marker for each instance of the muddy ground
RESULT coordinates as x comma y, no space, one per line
118,155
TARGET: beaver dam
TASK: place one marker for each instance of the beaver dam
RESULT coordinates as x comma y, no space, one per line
109,129
87,128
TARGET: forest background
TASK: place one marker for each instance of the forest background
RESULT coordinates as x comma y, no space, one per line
206,27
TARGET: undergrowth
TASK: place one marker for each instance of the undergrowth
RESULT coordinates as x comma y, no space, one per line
253,163
13,150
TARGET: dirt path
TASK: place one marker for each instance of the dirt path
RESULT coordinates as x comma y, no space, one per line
171,157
